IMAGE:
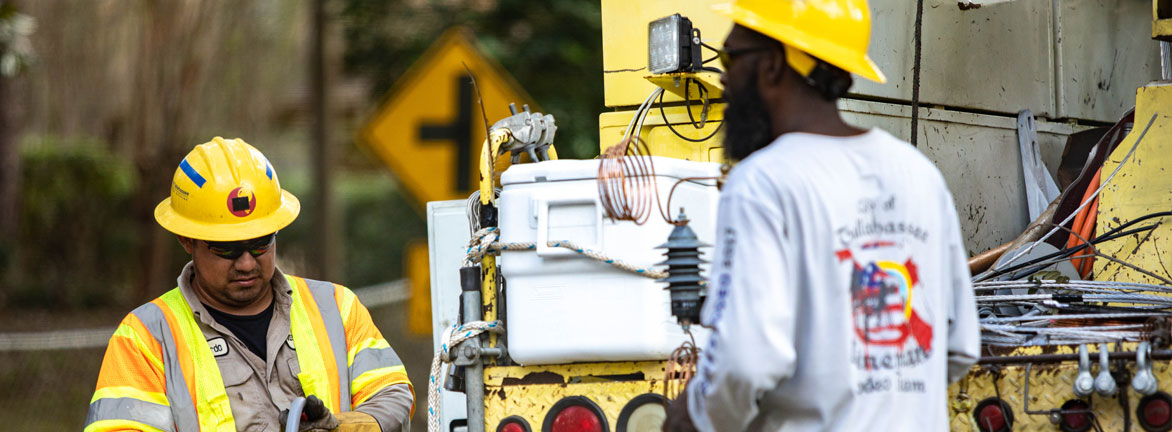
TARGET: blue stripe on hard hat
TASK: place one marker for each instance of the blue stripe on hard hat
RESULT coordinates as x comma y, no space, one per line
269,170
192,173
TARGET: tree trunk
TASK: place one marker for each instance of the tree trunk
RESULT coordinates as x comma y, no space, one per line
9,189
323,256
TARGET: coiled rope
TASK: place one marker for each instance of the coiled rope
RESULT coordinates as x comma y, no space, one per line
485,242
452,337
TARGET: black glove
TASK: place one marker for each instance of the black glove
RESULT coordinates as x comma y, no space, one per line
314,417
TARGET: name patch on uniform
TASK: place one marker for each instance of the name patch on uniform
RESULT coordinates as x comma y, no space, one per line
289,342
219,346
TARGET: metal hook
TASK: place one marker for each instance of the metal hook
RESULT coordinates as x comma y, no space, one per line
1084,384
1144,382
1105,383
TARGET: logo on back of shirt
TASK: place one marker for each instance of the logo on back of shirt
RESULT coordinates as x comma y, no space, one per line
891,310
881,302
892,324
219,346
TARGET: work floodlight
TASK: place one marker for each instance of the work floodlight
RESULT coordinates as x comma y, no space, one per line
672,45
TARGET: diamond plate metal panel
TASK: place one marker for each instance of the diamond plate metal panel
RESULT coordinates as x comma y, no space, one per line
1051,385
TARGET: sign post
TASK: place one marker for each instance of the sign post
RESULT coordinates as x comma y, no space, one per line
428,131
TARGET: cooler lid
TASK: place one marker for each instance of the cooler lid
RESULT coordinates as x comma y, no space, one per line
578,169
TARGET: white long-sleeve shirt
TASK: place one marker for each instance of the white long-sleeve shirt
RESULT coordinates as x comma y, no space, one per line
840,292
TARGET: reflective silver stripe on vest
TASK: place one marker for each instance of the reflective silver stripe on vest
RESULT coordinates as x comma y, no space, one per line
182,405
327,305
373,358
148,413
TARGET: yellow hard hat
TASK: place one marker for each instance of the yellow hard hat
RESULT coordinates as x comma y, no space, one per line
835,31
226,190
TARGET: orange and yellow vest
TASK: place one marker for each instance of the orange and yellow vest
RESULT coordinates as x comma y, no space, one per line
159,374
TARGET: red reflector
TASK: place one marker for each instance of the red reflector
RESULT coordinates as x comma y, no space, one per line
1157,412
575,418
512,427
991,418
1078,421
1076,418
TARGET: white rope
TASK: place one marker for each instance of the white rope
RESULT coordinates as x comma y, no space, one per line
484,242
452,337
480,245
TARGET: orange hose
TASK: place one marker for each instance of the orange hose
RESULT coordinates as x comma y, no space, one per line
1086,264
1084,221
1081,216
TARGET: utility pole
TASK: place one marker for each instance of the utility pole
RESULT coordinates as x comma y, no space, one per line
322,252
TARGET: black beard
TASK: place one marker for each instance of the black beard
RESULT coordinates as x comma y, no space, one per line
746,128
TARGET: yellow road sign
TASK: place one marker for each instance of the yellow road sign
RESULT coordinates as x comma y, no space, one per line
429,129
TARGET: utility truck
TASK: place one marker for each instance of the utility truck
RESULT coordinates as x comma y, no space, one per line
565,292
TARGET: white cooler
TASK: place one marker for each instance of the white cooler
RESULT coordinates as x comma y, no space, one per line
563,307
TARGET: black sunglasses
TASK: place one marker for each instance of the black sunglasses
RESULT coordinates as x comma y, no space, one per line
726,55
232,250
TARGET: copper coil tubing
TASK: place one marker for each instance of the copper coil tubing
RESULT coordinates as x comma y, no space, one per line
1088,322
626,183
680,368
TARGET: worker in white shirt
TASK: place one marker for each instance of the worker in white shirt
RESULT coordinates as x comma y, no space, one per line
840,294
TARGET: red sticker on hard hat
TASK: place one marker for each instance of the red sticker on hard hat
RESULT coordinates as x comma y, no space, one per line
241,202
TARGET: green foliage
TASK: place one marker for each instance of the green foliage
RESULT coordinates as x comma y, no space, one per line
76,246
553,48
16,51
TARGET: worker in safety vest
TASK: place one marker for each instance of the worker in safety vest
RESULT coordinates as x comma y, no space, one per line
238,340
840,295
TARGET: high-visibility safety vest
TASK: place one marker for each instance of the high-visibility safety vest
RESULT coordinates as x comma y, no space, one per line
159,373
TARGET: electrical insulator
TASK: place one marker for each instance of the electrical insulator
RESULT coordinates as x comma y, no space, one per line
684,280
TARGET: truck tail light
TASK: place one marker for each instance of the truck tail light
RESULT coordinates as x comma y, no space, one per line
513,424
644,413
575,414
1075,417
1155,412
993,415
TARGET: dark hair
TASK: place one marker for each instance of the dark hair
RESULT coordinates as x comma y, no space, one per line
830,81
